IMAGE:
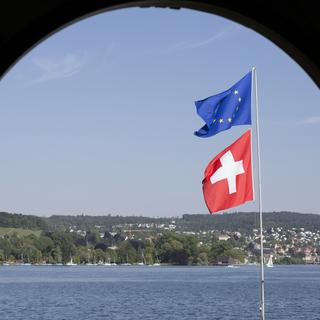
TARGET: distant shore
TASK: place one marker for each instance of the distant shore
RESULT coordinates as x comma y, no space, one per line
140,265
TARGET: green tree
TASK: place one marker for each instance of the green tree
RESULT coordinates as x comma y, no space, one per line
16,244
177,249
63,240
6,247
126,253
92,237
202,259
83,255
236,254
45,245
2,256
56,254
219,248
31,254
100,255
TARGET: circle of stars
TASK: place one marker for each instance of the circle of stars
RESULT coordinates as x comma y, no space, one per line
229,120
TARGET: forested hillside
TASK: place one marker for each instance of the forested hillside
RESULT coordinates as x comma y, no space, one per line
247,221
85,222
241,221
192,239
9,220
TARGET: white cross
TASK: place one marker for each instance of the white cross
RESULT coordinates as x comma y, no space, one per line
229,170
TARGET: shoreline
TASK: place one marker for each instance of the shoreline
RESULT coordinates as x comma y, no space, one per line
148,265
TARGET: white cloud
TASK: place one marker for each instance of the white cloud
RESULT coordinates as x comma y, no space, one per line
311,120
185,45
306,121
53,69
208,41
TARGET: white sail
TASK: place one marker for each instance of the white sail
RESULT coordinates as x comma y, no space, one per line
270,262
71,263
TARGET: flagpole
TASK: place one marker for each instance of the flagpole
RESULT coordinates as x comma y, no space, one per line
262,309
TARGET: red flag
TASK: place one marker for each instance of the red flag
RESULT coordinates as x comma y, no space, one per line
228,177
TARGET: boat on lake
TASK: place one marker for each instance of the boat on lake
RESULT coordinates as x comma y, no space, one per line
270,262
71,263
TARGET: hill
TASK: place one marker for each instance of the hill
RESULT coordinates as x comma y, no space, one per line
20,232
241,221
85,222
247,221
14,220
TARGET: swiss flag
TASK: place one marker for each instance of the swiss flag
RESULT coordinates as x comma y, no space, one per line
228,177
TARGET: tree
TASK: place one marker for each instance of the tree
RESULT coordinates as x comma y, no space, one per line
31,254
56,254
236,254
45,245
6,247
126,253
15,245
177,249
219,248
92,237
100,246
63,240
100,255
202,258
82,254
2,256
179,256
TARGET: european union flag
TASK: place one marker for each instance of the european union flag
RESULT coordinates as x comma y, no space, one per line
224,110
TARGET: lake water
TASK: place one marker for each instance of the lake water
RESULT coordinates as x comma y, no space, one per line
175,293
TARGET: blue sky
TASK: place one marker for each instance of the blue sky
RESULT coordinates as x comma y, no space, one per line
99,118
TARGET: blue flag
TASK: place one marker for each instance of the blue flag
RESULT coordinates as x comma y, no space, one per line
224,110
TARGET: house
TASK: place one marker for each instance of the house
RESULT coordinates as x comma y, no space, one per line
223,237
310,259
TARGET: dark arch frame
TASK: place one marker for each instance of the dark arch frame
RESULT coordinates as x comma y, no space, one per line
291,25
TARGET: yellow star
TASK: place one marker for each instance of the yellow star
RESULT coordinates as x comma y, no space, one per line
214,120
229,119
221,120
236,92
239,99
237,108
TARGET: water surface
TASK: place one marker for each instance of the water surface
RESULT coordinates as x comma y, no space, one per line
175,293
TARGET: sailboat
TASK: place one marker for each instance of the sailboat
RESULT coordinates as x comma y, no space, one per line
114,260
270,262
127,263
22,263
156,264
71,263
142,263
107,263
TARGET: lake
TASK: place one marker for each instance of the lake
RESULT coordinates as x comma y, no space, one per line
175,293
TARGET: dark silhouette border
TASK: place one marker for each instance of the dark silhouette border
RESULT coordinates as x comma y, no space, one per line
292,25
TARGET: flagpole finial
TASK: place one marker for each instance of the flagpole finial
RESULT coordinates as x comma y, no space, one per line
254,68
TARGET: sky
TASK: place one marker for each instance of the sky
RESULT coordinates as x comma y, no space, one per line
99,118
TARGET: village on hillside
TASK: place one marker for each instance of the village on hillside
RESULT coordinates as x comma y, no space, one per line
188,240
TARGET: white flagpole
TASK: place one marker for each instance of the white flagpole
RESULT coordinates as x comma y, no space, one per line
254,73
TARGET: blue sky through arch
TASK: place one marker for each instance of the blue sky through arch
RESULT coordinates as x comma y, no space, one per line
99,118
